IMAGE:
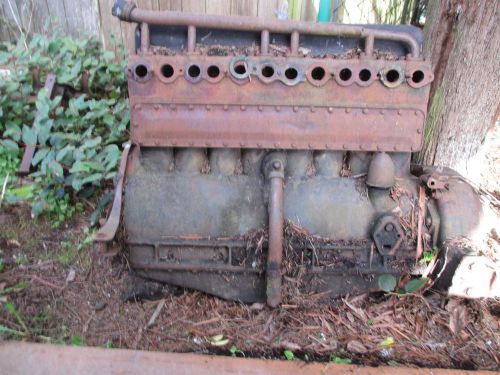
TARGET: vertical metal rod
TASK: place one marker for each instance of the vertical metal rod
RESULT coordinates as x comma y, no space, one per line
275,250
191,39
264,42
144,37
294,43
369,41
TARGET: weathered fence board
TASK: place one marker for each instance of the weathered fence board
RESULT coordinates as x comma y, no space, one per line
93,17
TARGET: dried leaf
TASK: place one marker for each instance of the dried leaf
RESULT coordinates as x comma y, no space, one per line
71,275
458,319
356,347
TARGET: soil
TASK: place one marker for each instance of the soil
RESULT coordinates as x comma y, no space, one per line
61,294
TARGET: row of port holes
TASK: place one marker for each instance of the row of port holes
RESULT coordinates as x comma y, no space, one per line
317,73
167,71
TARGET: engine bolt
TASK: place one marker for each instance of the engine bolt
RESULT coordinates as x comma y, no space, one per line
389,227
330,109
276,165
365,111
243,108
295,108
226,107
419,130
348,110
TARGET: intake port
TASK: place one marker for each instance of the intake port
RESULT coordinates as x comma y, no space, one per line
141,72
167,70
365,75
291,73
213,71
392,76
240,68
193,73
291,76
267,71
345,74
318,73
417,76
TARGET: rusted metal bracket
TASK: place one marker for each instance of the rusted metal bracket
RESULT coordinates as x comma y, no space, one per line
435,180
274,170
24,169
108,230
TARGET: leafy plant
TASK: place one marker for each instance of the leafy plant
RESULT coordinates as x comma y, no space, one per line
427,256
388,283
78,137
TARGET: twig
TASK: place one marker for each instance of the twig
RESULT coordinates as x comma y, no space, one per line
155,314
45,282
3,188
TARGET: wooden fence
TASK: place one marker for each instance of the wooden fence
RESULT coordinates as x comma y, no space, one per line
93,17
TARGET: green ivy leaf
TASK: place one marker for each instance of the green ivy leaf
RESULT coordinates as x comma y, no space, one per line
387,282
10,145
29,135
56,169
413,285
39,156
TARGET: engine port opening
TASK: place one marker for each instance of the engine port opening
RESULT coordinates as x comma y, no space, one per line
141,70
392,76
417,76
267,71
365,75
318,73
213,71
240,68
194,71
291,73
167,70
345,74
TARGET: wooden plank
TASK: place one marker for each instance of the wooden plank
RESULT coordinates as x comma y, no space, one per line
170,5
27,358
267,8
40,17
6,32
244,7
82,17
194,6
219,7
12,16
110,26
57,15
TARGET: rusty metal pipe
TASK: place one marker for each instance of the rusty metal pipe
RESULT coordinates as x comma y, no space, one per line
274,172
144,37
264,42
191,38
127,11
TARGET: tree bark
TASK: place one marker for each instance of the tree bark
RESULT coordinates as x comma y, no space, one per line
462,38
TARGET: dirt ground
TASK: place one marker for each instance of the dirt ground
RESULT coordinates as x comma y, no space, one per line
58,293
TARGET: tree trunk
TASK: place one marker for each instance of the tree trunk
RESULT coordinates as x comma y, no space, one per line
462,38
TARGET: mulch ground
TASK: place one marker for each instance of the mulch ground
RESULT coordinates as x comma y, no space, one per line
62,295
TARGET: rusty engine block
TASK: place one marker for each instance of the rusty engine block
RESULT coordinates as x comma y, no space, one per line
261,148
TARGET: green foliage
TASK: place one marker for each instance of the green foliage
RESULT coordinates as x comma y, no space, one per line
341,360
77,340
388,283
78,137
427,256
289,355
